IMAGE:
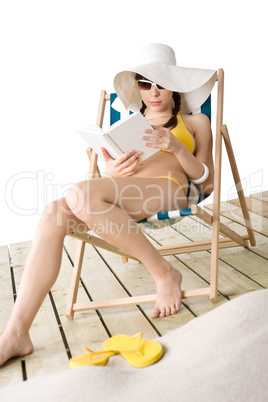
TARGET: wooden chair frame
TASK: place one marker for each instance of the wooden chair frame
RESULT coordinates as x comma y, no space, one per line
231,239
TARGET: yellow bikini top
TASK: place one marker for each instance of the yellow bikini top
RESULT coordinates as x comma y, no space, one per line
182,134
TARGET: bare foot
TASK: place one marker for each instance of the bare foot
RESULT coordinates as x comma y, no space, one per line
168,294
13,346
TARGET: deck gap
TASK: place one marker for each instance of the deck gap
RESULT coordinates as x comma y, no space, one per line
251,249
65,342
242,223
68,255
189,309
14,291
23,368
244,274
129,294
150,322
192,270
249,209
12,276
114,274
127,291
182,262
96,311
88,295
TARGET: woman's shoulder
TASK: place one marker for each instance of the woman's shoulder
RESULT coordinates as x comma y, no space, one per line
196,118
199,125
196,121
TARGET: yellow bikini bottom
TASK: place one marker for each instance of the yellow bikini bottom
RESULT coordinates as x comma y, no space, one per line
170,178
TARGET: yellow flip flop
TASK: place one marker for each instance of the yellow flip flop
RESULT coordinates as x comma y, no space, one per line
137,351
98,358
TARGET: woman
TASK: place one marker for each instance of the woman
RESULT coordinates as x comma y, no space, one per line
130,190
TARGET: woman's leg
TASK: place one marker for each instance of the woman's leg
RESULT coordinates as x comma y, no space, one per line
40,273
111,207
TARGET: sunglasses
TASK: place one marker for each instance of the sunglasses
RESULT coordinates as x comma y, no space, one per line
145,85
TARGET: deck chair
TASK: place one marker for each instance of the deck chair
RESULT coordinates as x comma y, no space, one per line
229,238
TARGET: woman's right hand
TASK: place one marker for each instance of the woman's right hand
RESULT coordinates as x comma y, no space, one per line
125,165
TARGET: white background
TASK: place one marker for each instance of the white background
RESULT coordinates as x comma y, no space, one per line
57,55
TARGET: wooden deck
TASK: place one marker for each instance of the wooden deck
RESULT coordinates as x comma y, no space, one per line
105,276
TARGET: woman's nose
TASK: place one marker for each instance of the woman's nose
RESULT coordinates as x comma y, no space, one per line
154,91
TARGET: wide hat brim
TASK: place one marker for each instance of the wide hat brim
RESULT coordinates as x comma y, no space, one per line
193,84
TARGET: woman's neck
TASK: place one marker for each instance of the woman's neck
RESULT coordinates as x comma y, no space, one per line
158,118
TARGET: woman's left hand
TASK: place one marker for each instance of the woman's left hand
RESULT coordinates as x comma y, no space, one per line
164,139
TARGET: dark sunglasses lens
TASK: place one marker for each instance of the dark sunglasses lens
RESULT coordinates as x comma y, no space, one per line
160,88
144,86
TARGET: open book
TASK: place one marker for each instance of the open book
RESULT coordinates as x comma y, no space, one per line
120,137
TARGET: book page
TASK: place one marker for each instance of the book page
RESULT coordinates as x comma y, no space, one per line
96,139
122,136
127,134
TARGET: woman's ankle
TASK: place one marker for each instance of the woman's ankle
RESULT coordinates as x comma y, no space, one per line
14,344
162,271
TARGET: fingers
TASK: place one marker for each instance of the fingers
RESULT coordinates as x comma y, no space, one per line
155,142
127,158
162,139
125,165
161,132
128,166
158,138
105,154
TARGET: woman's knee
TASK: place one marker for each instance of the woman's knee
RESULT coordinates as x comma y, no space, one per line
84,199
55,215
75,198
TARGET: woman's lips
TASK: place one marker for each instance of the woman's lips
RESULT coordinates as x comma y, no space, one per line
155,103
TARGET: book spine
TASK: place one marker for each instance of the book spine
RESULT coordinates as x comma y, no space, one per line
117,151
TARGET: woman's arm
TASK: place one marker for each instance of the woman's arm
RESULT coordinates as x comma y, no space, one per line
191,164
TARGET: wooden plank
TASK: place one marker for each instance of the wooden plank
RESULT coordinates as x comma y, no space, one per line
233,212
73,290
249,263
254,205
139,281
136,300
98,242
217,189
202,214
201,245
261,247
85,329
11,371
230,281
263,196
49,352
102,284
261,240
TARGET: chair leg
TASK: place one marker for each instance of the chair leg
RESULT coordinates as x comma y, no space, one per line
214,262
239,187
75,279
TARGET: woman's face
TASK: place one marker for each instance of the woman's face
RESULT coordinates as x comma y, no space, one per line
157,101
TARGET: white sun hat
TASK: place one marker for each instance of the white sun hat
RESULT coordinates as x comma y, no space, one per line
157,62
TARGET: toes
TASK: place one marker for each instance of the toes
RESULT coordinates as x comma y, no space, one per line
168,311
156,313
174,309
178,306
